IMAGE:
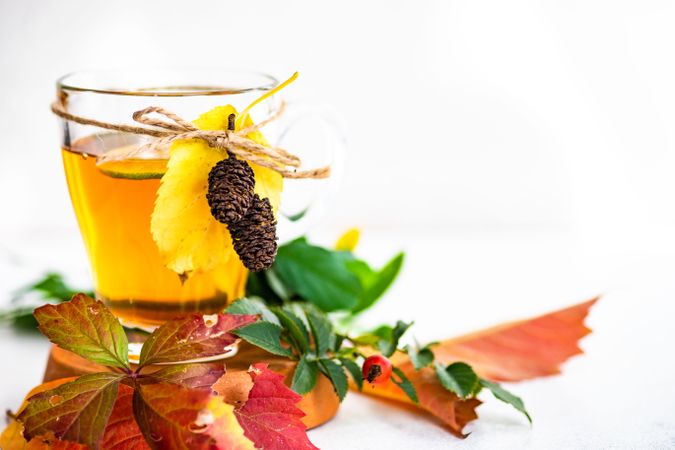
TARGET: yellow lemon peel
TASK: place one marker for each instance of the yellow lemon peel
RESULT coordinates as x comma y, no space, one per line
265,96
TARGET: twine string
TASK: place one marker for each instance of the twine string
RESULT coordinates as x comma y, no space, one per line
169,127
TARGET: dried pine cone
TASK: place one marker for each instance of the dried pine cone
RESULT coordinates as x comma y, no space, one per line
254,237
230,194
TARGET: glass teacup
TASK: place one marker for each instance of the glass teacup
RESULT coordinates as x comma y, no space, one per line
114,202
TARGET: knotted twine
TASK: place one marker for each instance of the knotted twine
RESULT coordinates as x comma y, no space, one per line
171,127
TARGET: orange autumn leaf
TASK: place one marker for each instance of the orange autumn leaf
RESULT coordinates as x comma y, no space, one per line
433,397
121,431
510,352
49,442
521,350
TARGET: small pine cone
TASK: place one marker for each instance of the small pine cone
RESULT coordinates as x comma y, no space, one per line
254,237
230,194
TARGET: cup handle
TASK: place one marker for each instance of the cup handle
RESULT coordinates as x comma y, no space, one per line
305,201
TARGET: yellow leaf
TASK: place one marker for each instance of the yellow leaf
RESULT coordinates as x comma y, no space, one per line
268,183
188,238
226,429
349,240
12,436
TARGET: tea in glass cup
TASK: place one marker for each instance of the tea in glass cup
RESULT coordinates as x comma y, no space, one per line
114,176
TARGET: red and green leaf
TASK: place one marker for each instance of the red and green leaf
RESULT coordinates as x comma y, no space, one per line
270,417
173,417
192,337
75,411
197,375
122,432
86,327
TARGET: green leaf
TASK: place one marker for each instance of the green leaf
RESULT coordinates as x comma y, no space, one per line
295,327
52,287
75,411
318,275
354,370
405,384
252,305
321,332
375,284
336,341
21,318
459,378
336,375
297,216
420,357
277,286
366,339
265,335
383,332
257,285
305,375
86,327
49,289
191,337
389,342
506,396
360,268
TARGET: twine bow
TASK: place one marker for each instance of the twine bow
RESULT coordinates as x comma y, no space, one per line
172,127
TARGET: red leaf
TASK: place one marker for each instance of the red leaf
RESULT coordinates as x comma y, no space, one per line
193,336
199,375
521,350
510,352
173,417
122,432
270,417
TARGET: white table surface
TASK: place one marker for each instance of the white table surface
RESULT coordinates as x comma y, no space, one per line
620,394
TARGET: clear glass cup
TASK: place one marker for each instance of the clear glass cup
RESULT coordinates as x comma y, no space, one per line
113,209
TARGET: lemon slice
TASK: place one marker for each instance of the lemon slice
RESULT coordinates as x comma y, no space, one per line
134,169
133,162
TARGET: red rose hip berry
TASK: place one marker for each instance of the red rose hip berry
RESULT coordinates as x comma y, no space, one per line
376,369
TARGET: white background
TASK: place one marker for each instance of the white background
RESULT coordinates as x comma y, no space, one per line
521,152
